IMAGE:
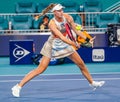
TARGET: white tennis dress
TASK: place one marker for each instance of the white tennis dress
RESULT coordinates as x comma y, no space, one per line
55,47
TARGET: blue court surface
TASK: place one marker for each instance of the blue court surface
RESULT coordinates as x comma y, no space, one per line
61,83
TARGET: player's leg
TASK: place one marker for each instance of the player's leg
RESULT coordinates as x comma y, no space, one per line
80,63
40,69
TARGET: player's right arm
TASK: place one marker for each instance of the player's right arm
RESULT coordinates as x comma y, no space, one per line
53,28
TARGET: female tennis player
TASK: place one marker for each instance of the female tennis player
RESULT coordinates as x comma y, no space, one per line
59,45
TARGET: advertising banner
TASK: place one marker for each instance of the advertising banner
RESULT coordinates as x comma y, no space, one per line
21,51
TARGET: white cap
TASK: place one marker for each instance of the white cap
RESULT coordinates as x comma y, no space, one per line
57,7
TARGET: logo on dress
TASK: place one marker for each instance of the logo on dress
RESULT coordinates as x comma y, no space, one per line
19,52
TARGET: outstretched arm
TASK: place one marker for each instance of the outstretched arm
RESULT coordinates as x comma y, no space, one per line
78,32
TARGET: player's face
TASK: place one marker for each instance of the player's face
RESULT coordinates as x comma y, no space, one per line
59,13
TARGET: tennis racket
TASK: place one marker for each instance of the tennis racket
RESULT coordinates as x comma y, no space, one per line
70,34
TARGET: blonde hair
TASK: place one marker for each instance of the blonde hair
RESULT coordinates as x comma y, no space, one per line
46,10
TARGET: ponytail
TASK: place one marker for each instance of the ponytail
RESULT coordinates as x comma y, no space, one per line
46,10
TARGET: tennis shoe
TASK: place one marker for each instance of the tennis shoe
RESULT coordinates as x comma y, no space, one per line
97,84
16,90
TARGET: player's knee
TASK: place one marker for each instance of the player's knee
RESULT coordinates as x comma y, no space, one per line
40,70
37,72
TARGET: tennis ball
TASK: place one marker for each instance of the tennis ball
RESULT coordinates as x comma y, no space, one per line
78,27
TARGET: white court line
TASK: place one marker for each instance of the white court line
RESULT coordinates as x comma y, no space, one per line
49,80
108,73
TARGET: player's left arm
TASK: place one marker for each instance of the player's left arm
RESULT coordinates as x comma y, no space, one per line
73,26
78,32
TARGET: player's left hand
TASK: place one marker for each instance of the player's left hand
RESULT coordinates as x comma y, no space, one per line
92,41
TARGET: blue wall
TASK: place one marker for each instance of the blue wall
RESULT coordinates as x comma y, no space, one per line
101,41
